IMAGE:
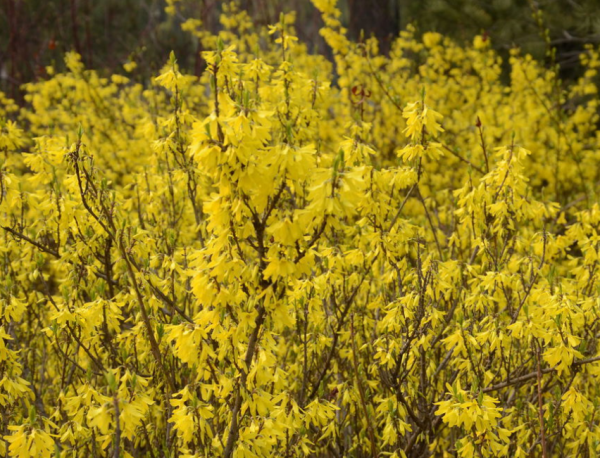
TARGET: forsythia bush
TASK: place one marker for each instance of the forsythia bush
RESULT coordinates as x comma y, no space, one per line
389,256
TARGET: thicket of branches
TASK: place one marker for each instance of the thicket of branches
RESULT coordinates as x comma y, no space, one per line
366,254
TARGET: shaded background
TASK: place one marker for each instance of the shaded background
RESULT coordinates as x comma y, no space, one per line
36,33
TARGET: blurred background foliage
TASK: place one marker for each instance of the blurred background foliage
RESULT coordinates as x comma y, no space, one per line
107,33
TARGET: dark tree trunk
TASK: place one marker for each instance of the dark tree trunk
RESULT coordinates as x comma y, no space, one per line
377,18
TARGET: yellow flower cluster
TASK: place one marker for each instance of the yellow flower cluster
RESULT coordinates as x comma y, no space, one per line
389,256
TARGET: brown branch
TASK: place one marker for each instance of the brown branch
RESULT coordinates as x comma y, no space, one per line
532,375
146,319
435,237
483,147
399,212
540,402
362,392
117,428
336,335
466,161
20,235
234,429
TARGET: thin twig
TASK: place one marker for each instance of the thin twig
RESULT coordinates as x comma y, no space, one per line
540,402
466,161
532,375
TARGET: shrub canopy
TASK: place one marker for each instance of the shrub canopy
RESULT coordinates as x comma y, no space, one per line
384,256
